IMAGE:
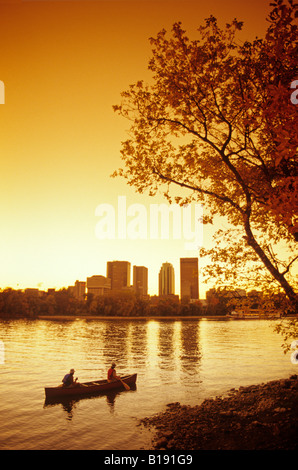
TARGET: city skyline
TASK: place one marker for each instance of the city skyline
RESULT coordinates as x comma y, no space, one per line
64,66
119,277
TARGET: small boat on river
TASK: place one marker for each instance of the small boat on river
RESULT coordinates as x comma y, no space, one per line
253,313
96,386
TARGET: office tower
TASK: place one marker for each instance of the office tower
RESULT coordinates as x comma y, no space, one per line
79,290
119,273
140,280
189,278
98,285
166,279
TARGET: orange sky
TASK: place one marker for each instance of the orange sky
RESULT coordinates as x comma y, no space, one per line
64,64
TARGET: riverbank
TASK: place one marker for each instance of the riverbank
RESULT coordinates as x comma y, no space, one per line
258,417
149,317
152,317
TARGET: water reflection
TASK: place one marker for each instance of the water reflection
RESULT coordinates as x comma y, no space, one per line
89,347
177,342
164,351
185,361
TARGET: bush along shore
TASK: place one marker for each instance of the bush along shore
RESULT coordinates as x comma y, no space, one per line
257,417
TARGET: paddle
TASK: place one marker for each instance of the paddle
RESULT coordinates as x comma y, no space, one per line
127,387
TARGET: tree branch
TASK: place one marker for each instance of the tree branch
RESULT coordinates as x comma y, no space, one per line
288,267
222,198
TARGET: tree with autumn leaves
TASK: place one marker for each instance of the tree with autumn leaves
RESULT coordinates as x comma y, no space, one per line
218,123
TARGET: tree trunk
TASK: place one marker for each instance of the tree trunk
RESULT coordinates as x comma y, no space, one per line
290,293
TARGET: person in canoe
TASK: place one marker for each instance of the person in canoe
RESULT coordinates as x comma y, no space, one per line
68,380
112,376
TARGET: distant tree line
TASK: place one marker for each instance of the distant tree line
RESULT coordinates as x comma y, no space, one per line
27,304
31,304
22,304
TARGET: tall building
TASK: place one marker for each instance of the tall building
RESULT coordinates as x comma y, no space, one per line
119,273
78,290
189,278
98,285
140,280
166,279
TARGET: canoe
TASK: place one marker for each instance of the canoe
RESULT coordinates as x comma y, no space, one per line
95,386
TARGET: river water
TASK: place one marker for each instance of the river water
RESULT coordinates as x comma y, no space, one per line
176,361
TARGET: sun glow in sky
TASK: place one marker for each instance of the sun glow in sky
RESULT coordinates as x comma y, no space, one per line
64,64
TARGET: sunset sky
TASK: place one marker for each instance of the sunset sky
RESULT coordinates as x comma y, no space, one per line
64,65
